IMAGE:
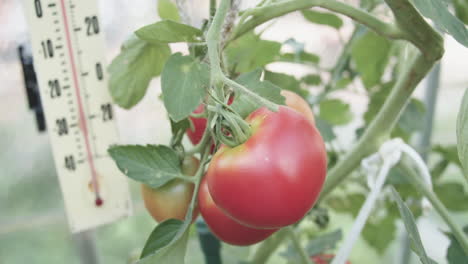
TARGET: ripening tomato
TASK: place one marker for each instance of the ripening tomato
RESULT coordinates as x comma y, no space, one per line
298,103
274,178
324,259
199,125
225,228
172,199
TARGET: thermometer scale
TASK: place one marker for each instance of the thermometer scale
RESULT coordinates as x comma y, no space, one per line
68,50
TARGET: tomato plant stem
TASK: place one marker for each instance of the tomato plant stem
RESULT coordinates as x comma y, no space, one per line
305,259
422,187
239,87
267,247
217,76
263,14
380,128
417,30
212,8
197,179
200,147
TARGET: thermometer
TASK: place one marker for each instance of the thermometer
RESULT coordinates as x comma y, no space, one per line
68,51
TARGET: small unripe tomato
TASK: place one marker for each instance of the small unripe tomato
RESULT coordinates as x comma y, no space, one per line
172,199
225,228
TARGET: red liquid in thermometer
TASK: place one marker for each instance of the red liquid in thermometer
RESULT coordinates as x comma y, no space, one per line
82,119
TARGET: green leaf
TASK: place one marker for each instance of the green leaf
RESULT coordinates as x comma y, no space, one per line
132,70
335,111
312,79
398,178
370,54
322,18
438,169
379,234
182,125
151,165
326,130
449,153
461,10
343,83
437,11
184,81
161,236
452,195
300,57
408,220
320,244
462,133
244,104
160,248
168,31
168,10
286,82
250,52
455,253
350,203
324,242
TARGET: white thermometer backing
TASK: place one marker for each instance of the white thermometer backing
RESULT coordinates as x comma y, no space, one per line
68,51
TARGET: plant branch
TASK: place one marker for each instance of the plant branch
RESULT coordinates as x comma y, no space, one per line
417,30
267,247
422,187
305,259
198,176
200,146
380,128
213,40
240,88
212,8
260,15
186,178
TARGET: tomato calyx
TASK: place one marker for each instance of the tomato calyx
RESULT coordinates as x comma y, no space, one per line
228,126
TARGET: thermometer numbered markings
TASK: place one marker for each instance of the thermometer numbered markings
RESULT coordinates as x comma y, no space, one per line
68,56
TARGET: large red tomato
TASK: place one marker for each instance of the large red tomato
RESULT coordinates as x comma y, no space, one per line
225,228
172,199
274,178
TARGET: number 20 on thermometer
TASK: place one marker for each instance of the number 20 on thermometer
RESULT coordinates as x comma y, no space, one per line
68,51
